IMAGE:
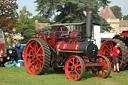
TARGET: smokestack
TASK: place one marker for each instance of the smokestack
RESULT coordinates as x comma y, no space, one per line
89,24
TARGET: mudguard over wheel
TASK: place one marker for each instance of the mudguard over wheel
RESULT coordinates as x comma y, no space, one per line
105,69
74,68
37,56
107,49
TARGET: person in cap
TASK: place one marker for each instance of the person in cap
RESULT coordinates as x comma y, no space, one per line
116,52
16,45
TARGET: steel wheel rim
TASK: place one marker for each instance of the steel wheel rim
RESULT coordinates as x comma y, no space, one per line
33,57
107,49
73,68
102,71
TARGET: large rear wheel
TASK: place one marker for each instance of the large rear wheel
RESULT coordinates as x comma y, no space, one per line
107,49
74,68
37,56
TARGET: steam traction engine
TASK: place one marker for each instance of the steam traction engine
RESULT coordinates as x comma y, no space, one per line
72,51
107,48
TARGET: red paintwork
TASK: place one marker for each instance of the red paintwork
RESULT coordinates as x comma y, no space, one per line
51,42
2,46
2,56
62,45
125,33
33,66
86,60
2,41
63,40
62,31
40,34
73,35
75,74
103,72
92,64
107,49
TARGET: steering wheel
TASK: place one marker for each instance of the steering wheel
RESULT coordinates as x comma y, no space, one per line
62,29
39,34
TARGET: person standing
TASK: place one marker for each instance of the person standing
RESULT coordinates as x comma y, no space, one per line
116,52
16,45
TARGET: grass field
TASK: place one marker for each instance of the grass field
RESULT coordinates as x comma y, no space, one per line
19,76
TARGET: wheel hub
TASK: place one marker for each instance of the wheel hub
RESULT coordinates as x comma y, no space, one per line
72,68
34,57
111,55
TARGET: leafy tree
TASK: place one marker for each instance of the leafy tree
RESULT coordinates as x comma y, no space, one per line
41,19
117,11
125,17
73,11
69,11
8,14
26,25
105,26
103,3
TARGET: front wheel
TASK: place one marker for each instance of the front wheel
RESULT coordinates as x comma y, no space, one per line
105,69
74,68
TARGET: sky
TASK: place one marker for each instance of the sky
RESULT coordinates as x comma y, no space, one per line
31,6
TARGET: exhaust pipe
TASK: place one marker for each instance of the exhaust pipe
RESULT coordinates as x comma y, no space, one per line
89,24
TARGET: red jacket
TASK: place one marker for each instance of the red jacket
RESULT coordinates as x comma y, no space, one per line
115,49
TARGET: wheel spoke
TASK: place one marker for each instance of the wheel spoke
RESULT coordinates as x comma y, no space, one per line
35,66
71,62
30,65
78,69
111,46
71,73
78,65
32,48
105,53
29,55
69,66
40,55
104,72
61,29
77,74
120,56
40,61
39,50
108,48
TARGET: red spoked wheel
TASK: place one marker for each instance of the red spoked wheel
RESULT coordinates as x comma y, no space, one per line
107,49
39,34
74,68
61,30
37,56
105,69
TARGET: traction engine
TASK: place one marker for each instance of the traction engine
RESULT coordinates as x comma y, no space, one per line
107,49
72,52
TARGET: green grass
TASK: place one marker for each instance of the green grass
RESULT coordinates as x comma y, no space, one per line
19,76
